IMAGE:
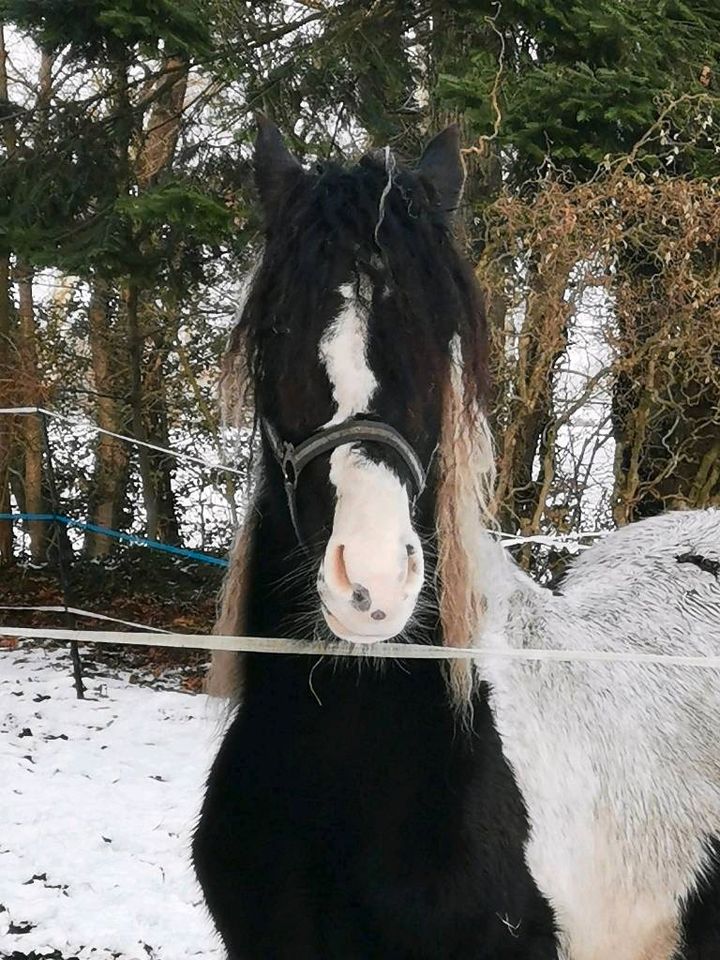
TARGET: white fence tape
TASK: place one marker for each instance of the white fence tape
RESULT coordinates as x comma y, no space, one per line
396,651
565,541
59,608
89,425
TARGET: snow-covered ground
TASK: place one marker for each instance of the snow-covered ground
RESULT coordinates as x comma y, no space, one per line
97,802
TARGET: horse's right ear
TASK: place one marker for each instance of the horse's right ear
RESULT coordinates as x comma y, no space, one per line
442,165
276,169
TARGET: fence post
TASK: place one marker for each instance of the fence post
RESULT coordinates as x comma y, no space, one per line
63,547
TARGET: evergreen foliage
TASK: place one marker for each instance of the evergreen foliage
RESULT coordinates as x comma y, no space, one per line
584,80
125,173
102,30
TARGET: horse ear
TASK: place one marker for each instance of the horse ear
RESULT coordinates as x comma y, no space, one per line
442,165
275,167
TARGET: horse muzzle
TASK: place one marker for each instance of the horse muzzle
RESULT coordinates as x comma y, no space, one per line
369,590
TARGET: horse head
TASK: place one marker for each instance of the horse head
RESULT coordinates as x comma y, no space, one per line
362,318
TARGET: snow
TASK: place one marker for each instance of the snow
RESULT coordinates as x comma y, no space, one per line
97,803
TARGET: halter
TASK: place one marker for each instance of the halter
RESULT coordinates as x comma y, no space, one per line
293,459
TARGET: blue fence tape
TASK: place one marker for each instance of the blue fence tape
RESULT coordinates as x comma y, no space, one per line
117,535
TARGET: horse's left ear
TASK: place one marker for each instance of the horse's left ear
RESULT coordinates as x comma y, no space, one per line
275,167
442,165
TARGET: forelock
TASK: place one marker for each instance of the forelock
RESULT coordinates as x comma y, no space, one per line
329,233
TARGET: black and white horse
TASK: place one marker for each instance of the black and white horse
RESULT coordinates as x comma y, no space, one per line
350,815
376,812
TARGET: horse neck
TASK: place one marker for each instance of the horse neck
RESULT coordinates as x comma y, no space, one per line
499,580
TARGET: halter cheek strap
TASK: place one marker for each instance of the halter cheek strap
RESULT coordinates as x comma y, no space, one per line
293,459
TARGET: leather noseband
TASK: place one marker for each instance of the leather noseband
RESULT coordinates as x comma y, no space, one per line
294,458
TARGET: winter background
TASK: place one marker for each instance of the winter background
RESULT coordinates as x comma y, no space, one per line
98,796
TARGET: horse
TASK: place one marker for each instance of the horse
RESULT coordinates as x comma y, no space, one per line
355,812
618,762
489,808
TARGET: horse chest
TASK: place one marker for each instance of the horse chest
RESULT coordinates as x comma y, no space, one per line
367,814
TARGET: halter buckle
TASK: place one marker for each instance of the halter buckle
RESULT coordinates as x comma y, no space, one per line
288,465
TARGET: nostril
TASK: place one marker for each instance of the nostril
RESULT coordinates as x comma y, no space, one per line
378,615
360,598
413,568
335,572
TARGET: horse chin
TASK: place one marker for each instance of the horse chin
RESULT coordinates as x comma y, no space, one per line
352,636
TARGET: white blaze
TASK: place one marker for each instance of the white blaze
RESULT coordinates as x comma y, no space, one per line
343,352
372,532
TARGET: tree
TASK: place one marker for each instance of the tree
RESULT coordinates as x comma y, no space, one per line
115,214
6,533
579,84
132,181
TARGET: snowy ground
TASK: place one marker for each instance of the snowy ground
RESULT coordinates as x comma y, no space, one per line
97,802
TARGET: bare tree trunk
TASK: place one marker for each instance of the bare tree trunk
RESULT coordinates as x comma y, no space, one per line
148,402
162,467
35,500
32,453
666,410
110,356
25,375
136,344
111,455
148,396
6,422
159,139
524,435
